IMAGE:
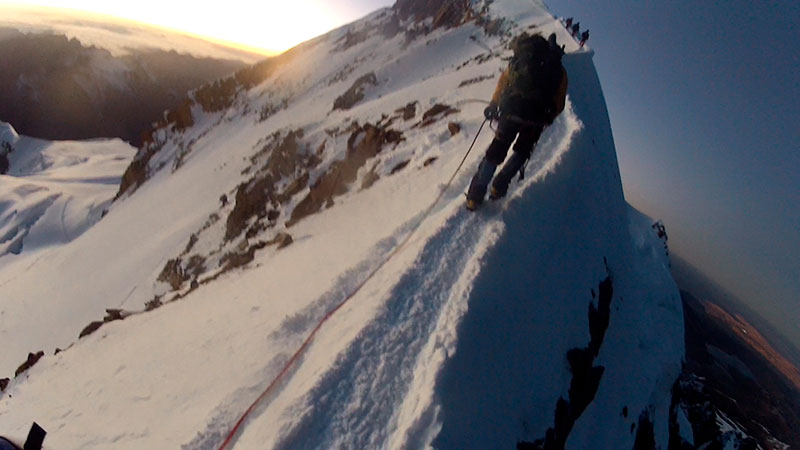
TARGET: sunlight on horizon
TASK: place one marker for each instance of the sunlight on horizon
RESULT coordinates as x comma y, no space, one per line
266,28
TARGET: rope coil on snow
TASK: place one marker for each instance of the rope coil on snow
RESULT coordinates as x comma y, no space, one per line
307,342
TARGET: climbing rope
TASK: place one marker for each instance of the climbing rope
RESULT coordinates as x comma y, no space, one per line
307,342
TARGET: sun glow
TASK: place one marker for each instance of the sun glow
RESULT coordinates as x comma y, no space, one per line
267,27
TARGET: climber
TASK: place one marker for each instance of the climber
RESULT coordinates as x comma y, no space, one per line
584,37
576,29
568,23
530,94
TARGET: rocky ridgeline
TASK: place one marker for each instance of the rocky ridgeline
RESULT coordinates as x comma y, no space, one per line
411,17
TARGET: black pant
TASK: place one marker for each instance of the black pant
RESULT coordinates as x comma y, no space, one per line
507,130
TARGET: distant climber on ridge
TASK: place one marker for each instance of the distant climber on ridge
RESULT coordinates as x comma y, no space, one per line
584,37
576,29
530,94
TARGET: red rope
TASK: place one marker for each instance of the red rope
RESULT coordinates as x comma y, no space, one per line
232,433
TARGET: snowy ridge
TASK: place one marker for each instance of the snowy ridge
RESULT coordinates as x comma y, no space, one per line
460,340
54,191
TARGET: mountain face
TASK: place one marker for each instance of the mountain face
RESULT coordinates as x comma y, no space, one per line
736,388
55,88
289,264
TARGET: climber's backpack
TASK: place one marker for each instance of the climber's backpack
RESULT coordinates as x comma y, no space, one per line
534,76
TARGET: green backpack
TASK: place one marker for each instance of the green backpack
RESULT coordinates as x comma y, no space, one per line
534,76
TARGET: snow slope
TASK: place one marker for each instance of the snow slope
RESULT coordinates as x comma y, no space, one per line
54,191
460,335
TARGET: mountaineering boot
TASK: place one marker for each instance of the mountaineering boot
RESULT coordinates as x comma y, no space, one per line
479,184
510,168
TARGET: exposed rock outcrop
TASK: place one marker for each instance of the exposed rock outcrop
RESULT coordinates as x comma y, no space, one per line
33,358
258,198
364,143
445,13
585,375
356,92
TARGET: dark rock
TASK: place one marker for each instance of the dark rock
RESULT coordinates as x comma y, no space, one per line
599,316
585,377
454,128
391,27
400,166
295,187
356,92
238,259
252,199
173,274
33,358
435,113
218,95
475,80
645,435
255,230
195,267
429,161
445,13
91,328
437,109
257,198
115,314
364,143
283,240
352,38
408,111
285,157
181,116
4,383
153,304
192,240
492,27
369,179
135,174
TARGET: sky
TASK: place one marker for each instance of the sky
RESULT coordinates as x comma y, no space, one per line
268,27
704,102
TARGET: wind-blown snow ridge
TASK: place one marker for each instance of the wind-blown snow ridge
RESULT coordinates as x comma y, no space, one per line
431,272
460,340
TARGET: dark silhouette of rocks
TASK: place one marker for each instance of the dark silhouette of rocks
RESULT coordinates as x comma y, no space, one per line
445,13
33,358
55,88
364,143
355,93
725,373
645,434
585,376
257,198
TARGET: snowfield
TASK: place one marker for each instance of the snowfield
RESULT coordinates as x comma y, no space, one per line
424,325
